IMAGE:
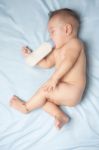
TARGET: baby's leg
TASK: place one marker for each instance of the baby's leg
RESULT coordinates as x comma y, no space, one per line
64,94
36,101
60,117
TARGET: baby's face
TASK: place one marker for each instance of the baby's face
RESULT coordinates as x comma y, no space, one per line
57,31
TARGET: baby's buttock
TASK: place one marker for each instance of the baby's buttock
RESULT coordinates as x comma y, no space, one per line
77,88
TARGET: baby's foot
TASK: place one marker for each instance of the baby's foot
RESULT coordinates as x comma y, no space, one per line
26,51
18,104
60,121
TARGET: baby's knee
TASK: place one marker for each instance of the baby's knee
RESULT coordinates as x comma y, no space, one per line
43,92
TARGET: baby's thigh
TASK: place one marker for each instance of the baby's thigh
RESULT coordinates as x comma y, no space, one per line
65,94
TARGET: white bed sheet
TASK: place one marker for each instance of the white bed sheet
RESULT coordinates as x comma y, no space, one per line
25,23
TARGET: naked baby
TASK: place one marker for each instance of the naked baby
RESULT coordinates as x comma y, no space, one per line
67,83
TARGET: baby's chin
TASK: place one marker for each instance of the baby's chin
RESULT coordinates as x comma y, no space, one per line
58,46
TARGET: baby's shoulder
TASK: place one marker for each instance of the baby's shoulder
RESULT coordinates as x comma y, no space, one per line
76,43
74,46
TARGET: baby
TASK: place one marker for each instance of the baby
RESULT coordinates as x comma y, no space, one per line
67,84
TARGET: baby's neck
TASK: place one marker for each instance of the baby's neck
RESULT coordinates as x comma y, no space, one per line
69,38
66,41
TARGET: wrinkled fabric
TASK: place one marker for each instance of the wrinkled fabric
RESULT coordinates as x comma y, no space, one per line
25,23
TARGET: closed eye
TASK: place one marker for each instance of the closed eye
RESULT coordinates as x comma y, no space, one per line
51,32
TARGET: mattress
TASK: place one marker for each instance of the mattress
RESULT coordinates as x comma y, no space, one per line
25,23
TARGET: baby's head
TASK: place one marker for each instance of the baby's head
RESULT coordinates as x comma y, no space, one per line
63,24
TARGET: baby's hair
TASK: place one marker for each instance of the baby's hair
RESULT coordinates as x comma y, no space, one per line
65,12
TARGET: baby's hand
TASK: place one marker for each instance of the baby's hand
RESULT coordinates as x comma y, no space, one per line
50,85
26,51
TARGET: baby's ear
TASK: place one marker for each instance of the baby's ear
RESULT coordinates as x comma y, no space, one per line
68,29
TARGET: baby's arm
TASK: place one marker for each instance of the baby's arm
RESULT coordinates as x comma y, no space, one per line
70,57
48,61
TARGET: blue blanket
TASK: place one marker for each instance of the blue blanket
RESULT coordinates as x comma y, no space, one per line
24,22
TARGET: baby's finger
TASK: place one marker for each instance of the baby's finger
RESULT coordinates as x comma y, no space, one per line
54,87
50,89
45,88
30,50
27,51
24,50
